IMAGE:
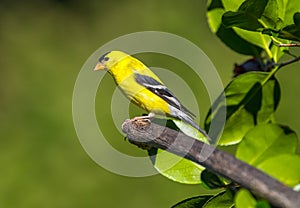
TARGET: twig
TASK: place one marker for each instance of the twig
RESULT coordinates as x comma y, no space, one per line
282,64
289,45
140,132
289,62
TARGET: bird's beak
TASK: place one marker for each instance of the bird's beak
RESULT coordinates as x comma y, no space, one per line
99,66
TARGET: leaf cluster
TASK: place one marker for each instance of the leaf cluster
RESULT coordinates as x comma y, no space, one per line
257,28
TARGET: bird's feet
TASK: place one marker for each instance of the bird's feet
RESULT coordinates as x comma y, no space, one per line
143,122
146,118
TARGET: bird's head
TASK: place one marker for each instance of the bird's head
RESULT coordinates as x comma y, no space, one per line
109,59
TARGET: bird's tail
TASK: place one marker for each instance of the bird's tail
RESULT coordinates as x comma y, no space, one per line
188,119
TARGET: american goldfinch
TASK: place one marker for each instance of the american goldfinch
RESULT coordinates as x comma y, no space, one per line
143,87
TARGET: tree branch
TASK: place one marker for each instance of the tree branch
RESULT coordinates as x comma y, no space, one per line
144,133
289,62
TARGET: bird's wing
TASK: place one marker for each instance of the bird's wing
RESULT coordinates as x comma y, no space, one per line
162,91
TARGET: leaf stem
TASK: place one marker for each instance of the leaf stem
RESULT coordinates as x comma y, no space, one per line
266,46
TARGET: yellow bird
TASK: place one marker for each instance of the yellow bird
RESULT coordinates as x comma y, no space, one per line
143,87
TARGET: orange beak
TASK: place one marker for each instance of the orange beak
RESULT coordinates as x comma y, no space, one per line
99,66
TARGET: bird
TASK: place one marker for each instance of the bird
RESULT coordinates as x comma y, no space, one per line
144,88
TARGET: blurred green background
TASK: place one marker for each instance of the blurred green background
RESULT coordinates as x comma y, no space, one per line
43,45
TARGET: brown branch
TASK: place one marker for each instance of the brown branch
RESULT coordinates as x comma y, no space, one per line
289,45
289,62
144,133
271,65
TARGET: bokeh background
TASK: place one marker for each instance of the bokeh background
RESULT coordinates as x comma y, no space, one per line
43,45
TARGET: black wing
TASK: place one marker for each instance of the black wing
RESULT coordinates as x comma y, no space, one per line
162,91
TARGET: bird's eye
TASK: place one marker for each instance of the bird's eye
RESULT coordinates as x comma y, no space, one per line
104,57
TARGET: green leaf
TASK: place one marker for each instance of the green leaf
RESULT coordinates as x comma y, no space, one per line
242,20
234,41
264,141
263,204
289,32
247,15
214,4
244,199
253,14
228,36
221,200
251,98
287,9
270,16
175,167
190,131
211,180
214,19
232,5
256,38
296,18
254,7
193,202
246,22
244,25
284,167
